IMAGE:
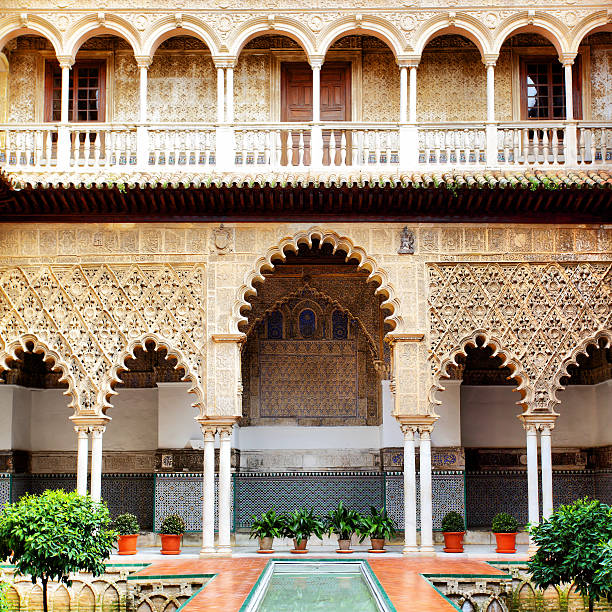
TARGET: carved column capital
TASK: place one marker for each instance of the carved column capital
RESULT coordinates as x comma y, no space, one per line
208,433
82,431
97,431
225,432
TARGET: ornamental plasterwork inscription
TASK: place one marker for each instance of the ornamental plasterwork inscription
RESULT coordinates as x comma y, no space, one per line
534,314
92,317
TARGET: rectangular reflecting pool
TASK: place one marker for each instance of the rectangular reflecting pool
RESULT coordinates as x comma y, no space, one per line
317,584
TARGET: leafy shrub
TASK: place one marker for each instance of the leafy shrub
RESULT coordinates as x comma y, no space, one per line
504,523
173,524
453,522
378,525
55,534
574,546
4,604
268,525
126,524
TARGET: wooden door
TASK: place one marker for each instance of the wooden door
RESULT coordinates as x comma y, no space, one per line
296,102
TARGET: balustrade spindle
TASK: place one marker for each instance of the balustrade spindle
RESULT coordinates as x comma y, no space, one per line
343,147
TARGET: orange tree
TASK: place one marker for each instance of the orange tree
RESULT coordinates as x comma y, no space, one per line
52,535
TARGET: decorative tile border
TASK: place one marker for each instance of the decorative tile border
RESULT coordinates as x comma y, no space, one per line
448,493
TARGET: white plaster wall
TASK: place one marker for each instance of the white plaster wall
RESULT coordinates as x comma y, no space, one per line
603,396
22,408
6,417
390,431
50,426
134,424
488,417
176,416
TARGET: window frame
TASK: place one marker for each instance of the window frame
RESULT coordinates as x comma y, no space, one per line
529,58
51,65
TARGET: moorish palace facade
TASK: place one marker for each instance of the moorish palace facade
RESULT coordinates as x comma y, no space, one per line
257,257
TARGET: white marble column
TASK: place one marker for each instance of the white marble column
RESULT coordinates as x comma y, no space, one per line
65,66
490,90
403,114
225,491
220,94
410,513
426,491
144,71
316,135
569,89
571,128
229,94
532,472
547,484
63,130
96,461
412,112
316,93
208,504
82,458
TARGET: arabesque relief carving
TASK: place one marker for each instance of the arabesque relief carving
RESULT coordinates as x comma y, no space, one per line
536,317
89,318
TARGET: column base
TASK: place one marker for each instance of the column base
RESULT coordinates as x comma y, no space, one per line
427,550
223,551
208,551
410,550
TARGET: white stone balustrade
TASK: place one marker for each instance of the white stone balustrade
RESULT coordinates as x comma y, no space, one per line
176,146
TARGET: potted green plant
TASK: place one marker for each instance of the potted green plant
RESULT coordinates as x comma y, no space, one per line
300,525
505,528
342,522
127,527
378,526
172,530
267,527
453,529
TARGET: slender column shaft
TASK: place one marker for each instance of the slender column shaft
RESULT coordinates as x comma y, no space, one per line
426,502
569,91
403,114
547,485
412,113
65,93
82,458
316,93
208,504
220,95
532,473
229,95
225,483
143,93
96,461
490,92
410,514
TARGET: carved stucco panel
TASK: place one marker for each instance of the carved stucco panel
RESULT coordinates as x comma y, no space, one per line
22,96
601,83
380,87
536,314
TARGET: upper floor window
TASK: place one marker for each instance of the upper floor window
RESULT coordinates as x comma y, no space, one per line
307,323
87,91
543,88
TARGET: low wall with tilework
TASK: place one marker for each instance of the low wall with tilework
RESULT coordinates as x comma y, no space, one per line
448,493
122,492
490,492
5,489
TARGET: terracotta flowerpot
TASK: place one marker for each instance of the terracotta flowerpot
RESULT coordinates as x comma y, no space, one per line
378,545
265,545
171,544
506,543
299,549
453,541
344,546
127,544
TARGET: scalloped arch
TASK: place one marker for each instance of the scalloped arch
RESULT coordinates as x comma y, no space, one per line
89,26
112,376
166,28
540,23
259,26
596,21
323,296
463,25
40,347
290,243
371,25
572,359
508,360
11,27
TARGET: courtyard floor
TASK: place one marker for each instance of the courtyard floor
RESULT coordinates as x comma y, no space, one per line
401,577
